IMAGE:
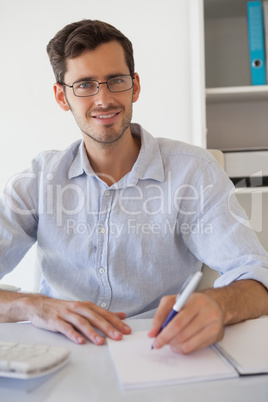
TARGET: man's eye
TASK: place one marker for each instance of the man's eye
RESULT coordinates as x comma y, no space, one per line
86,85
116,80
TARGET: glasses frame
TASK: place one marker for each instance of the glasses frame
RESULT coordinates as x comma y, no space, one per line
99,84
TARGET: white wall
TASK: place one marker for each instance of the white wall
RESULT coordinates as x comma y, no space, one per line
165,36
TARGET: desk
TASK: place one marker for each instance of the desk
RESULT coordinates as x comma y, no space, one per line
90,377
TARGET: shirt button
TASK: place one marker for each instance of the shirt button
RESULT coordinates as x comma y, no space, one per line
103,305
101,270
107,193
103,230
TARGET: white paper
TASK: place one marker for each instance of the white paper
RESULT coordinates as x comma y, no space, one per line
246,344
137,365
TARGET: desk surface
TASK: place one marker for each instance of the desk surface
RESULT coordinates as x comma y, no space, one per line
90,377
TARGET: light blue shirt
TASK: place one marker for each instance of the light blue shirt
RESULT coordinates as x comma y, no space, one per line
125,246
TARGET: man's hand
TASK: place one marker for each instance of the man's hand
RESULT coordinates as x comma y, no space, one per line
198,324
76,320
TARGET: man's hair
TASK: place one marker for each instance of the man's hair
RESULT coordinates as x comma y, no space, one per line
78,37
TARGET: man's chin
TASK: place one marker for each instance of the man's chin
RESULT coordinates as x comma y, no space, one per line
104,138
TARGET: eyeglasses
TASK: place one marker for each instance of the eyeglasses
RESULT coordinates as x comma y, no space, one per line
120,83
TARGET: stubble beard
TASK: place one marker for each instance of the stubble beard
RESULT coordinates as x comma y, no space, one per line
108,135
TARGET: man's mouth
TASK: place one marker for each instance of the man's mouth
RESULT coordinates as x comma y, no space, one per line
105,116
108,118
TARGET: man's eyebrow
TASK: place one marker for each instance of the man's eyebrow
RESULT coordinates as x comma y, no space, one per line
107,77
86,79
95,78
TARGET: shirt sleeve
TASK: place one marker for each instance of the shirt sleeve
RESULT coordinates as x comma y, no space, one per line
221,235
18,218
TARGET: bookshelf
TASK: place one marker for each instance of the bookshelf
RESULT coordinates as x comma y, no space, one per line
236,111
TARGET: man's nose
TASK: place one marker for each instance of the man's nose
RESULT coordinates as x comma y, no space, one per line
104,95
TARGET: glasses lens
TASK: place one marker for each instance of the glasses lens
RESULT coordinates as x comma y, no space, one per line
120,83
86,88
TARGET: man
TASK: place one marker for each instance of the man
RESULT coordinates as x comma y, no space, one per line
121,218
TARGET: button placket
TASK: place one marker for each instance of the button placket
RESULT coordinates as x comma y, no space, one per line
102,250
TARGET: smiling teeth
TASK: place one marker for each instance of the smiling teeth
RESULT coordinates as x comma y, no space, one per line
106,116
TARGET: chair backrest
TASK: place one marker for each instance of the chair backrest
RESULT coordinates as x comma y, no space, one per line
218,155
208,278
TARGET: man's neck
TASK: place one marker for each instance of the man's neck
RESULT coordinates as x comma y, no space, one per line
113,161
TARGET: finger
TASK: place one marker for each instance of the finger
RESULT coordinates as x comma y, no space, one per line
121,315
126,329
174,329
61,326
200,340
79,327
165,306
108,323
206,326
77,319
197,325
70,332
73,326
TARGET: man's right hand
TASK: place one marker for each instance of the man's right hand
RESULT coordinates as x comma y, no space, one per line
77,320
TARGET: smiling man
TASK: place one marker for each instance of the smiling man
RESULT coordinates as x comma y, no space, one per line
116,216
100,96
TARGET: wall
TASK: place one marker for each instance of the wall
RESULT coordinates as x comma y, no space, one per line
165,37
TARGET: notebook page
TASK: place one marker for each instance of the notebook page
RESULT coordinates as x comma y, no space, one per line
139,366
246,345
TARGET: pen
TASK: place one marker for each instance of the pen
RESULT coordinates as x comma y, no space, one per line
185,292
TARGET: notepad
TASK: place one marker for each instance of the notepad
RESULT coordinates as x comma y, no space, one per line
246,346
138,366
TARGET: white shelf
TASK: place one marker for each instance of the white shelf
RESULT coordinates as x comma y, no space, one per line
250,190
234,94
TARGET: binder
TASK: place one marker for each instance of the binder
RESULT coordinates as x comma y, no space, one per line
256,43
265,20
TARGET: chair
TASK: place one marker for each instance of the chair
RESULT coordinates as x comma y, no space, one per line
218,155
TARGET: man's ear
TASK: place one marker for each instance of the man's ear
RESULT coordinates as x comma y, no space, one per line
136,88
60,97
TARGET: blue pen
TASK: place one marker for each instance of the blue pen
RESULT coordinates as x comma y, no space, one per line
187,289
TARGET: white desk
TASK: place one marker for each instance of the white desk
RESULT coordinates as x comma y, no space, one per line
90,377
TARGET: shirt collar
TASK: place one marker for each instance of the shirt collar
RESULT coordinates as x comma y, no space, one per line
80,164
148,165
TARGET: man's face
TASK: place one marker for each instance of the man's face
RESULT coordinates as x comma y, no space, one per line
106,116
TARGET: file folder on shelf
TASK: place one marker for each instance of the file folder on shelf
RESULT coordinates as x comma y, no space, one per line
256,43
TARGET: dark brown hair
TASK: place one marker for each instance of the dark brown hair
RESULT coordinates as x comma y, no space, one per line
75,38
